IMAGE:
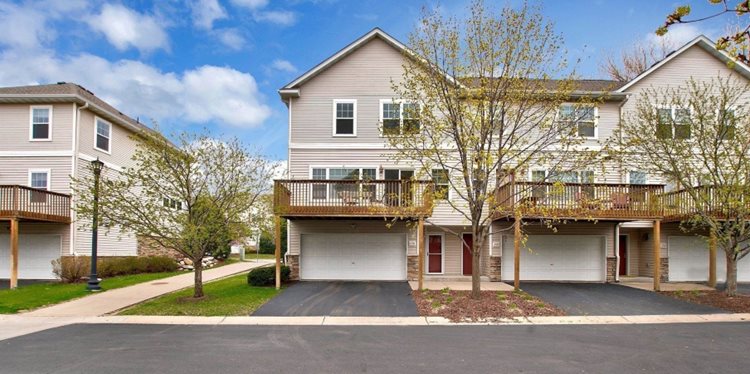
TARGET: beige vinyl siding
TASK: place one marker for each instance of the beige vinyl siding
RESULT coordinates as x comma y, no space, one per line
453,247
15,170
15,122
297,227
27,228
646,253
121,144
634,253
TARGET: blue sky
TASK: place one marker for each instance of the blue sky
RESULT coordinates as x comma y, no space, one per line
217,64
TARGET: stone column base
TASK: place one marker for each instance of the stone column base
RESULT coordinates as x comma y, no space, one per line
495,268
412,268
611,269
664,269
293,262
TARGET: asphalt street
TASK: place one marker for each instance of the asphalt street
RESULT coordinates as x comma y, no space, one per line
676,348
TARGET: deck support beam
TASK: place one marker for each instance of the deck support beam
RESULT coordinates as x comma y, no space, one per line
517,254
420,244
277,222
14,253
712,259
657,255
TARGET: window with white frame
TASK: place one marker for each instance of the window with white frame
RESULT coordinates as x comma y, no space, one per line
103,136
399,118
580,118
637,177
442,184
344,117
39,179
673,123
326,190
171,203
564,176
41,123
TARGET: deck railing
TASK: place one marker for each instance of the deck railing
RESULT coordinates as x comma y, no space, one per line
33,204
579,200
721,204
353,198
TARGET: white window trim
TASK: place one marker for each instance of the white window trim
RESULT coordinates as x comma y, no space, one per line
596,119
45,171
96,122
672,114
31,123
333,130
547,174
450,186
442,252
400,116
627,175
328,168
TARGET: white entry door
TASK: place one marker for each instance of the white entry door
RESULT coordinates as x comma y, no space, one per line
35,255
353,257
557,258
688,261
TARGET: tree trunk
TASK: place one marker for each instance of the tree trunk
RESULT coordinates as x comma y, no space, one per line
476,252
731,287
198,272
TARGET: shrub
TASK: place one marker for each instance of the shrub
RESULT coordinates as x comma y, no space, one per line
71,269
221,252
266,276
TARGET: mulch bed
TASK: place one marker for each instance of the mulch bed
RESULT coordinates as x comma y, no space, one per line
717,299
458,306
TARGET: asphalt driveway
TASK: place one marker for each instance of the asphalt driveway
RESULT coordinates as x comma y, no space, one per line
386,299
582,299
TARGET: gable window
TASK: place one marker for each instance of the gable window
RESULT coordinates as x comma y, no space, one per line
399,118
674,123
580,118
440,178
39,179
103,135
344,118
41,123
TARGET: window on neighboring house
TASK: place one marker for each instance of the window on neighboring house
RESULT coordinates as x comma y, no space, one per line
41,123
345,118
39,179
442,185
399,118
171,203
728,123
581,118
674,123
103,135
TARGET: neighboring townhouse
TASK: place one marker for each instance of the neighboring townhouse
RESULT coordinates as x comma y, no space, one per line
48,134
343,191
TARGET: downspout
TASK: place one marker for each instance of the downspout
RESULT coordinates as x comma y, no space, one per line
617,251
74,172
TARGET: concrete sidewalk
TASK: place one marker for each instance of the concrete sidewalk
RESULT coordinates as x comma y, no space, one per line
114,300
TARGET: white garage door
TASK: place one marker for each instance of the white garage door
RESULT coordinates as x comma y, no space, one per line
35,255
688,261
557,258
353,257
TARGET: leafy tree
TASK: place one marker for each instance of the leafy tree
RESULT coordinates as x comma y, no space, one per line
192,196
483,92
705,150
268,242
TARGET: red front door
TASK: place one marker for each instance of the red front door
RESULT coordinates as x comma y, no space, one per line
623,252
468,242
435,254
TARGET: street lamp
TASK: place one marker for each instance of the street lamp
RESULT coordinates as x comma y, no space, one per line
96,167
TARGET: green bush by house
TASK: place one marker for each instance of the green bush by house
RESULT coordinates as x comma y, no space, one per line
266,276
74,269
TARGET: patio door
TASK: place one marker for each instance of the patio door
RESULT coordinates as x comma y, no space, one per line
623,253
435,254
398,194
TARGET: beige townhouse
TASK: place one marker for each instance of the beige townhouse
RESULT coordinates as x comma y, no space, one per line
343,191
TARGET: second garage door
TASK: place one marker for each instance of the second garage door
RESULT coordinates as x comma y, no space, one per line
35,255
353,257
688,261
557,258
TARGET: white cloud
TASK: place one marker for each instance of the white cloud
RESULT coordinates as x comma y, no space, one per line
26,26
204,94
677,36
205,12
283,65
250,4
125,28
279,17
231,38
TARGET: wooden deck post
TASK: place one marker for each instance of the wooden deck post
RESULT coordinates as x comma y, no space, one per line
712,259
517,254
657,255
14,253
420,243
277,220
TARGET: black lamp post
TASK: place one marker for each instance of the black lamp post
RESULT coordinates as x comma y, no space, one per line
97,167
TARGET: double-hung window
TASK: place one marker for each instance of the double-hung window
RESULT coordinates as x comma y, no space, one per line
442,184
637,177
580,118
103,136
728,124
171,203
673,123
344,118
326,190
39,179
399,118
41,123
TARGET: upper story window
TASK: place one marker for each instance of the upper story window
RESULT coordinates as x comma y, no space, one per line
674,123
345,191
442,185
171,203
637,177
103,136
728,122
38,179
41,123
345,118
399,118
580,117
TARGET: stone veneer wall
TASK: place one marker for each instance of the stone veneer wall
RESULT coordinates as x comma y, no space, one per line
147,248
495,268
412,268
293,262
664,269
611,269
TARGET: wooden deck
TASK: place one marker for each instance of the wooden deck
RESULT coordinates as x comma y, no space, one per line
680,205
579,200
353,198
30,204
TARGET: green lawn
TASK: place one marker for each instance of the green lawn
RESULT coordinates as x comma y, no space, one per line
262,256
38,295
226,297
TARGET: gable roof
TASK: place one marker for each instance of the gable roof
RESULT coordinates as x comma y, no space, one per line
702,41
69,92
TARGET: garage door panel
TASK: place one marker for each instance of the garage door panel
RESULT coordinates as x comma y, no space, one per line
688,261
557,258
353,257
35,255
